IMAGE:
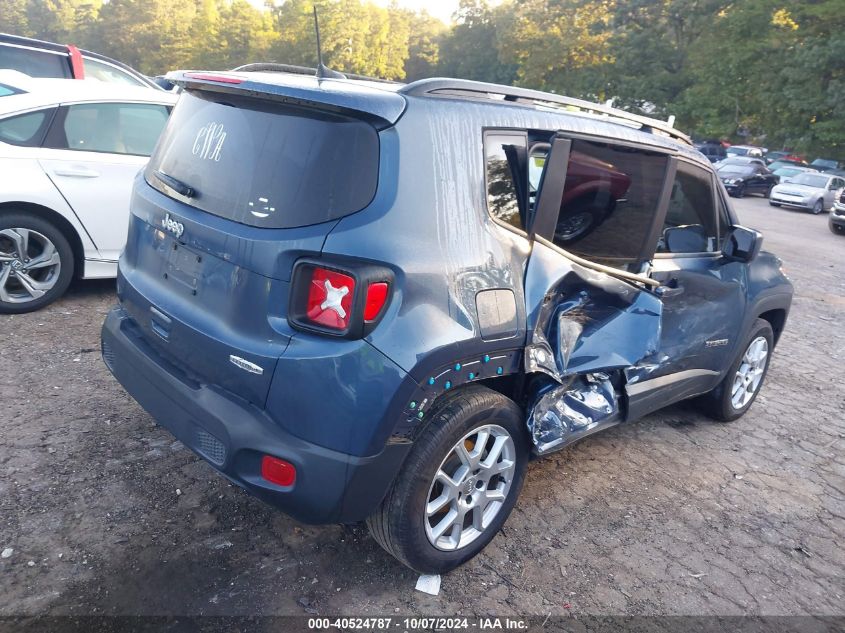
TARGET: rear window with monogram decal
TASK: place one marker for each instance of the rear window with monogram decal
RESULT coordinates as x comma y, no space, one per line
265,164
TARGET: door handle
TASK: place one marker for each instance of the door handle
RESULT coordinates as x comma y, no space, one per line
77,172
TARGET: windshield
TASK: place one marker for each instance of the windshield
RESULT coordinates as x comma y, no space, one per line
735,170
737,151
265,164
811,180
823,162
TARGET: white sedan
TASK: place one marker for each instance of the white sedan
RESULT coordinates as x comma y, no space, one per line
810,190
69,151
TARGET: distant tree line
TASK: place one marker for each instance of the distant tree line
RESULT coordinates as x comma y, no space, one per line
765,70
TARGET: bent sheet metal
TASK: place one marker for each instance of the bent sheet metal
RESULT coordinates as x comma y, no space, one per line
590,328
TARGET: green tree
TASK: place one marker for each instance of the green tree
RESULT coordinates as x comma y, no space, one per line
471,49
559,45
425,33
65,21
245,34
13,18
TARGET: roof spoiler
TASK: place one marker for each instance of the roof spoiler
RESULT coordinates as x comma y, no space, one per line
381,107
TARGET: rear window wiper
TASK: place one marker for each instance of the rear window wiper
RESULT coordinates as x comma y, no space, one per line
177,185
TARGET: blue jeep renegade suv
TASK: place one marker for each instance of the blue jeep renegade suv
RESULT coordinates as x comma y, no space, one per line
372,301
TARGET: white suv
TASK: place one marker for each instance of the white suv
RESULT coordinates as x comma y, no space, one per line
69,151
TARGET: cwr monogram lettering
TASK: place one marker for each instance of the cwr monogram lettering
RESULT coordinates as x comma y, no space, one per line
209,141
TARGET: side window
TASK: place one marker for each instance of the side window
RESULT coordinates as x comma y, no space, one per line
106,72
34,63
609,201
504,158
690,225
26,130
6,91
116,128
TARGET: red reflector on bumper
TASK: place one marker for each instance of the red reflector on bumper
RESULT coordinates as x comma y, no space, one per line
278,471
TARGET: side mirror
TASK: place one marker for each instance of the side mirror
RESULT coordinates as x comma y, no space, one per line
741,244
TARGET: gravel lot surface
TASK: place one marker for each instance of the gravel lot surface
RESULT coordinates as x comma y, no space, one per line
106,514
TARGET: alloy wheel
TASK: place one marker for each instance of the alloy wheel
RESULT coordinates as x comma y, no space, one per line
470,487
29,265
818,207
750,372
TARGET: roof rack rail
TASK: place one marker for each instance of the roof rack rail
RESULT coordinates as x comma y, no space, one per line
273,67
477,90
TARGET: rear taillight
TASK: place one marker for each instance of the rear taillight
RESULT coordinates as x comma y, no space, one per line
330,298
347,299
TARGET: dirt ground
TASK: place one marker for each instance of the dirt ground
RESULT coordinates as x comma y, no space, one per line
107,514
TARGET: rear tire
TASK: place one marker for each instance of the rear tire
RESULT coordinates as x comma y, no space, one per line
36,263
419,501
736,393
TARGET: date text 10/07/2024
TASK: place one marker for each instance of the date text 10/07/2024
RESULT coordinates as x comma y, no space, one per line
418,623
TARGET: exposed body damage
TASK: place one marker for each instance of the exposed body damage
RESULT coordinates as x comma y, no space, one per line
590,328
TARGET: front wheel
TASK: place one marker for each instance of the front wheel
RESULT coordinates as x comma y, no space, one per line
738,390
458,485
818,207
740,191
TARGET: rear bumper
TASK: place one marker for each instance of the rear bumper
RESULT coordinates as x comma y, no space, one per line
233,435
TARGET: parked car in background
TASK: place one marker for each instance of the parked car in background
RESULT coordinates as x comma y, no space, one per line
812,191
837,214
783,162
746,150
69,151
348,346
785,174
713,150
739,160
740,180
778,155
38,58
826,164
